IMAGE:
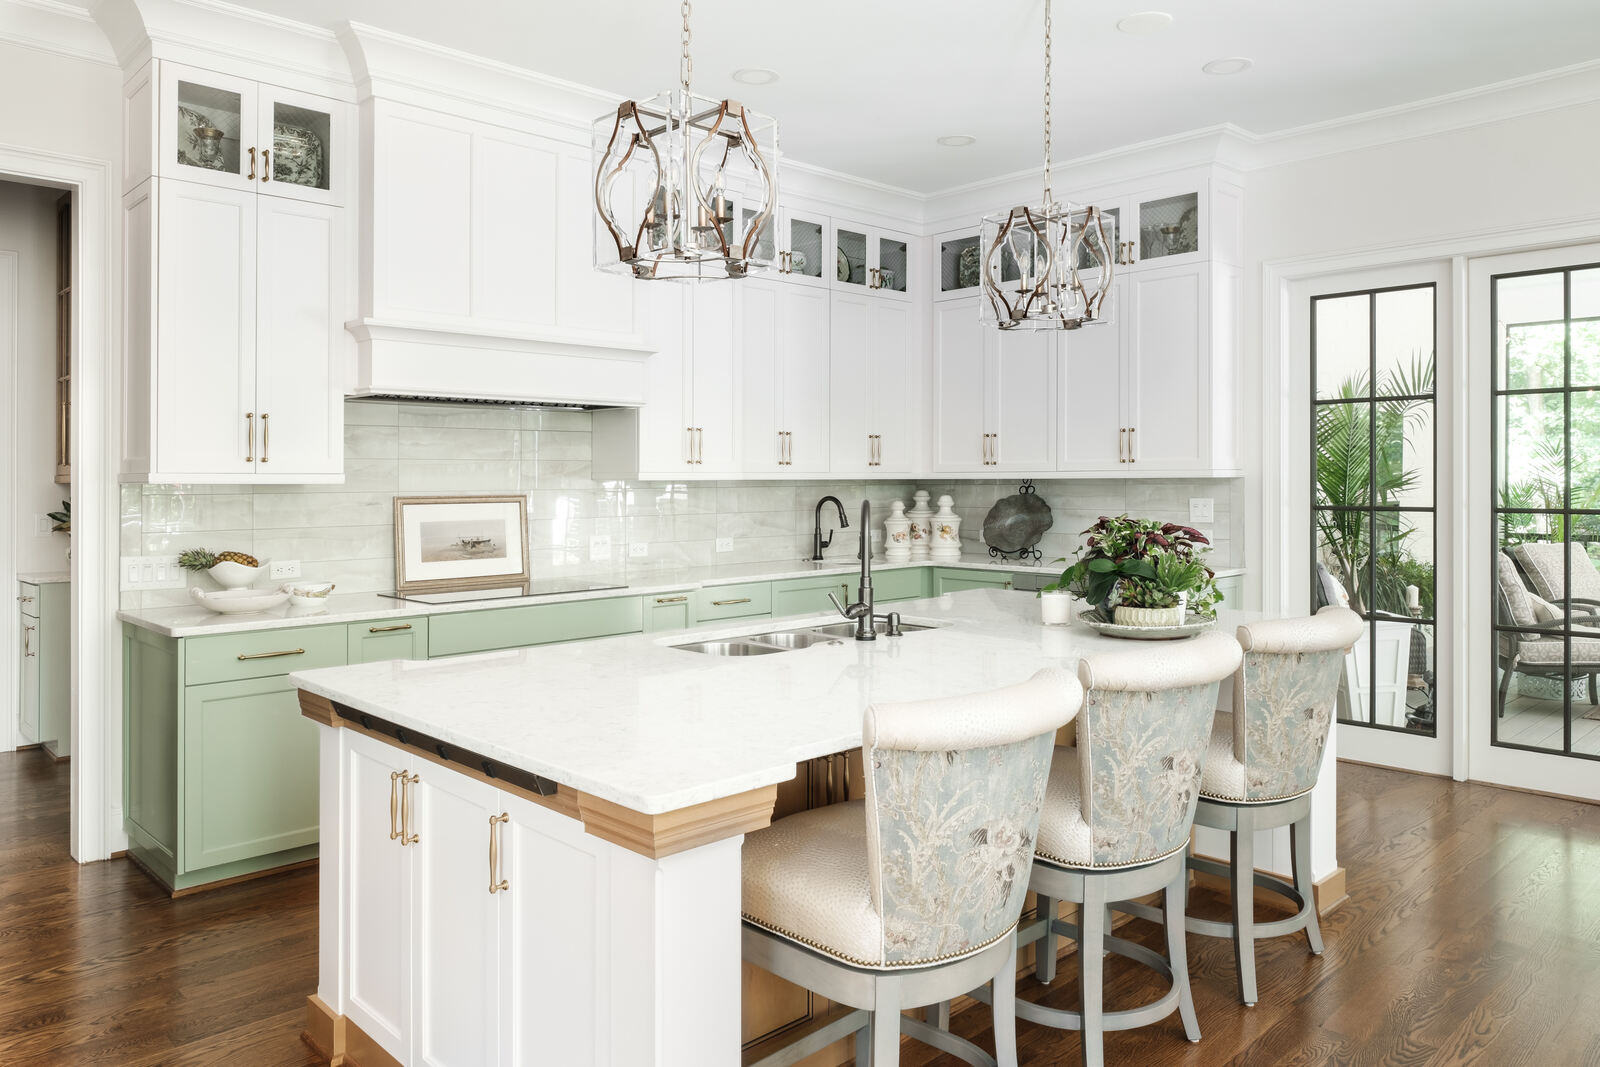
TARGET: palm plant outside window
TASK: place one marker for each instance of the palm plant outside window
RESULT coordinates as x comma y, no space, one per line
1373,539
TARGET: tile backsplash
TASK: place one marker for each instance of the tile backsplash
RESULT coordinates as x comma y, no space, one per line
345,533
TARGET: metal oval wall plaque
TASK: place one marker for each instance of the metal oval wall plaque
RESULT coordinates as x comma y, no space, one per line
1017,522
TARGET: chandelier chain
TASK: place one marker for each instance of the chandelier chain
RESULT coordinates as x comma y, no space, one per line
686,64
1049,198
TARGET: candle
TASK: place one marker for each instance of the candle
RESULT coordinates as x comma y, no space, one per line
1413,599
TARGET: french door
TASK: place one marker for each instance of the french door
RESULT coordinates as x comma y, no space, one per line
1535,520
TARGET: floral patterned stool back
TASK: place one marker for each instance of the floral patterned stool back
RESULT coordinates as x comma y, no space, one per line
1262,766
1116,824
911,896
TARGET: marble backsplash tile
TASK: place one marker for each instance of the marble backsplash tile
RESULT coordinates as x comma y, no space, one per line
344,533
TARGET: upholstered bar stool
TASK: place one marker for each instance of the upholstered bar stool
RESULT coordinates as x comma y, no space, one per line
1261,769
1116,823
910,896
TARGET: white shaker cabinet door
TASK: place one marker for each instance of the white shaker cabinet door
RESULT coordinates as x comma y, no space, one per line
206,331
1024,385
1169,416
561,958
803,346
757,308
1093,425
299,361
378,954
893,387
961,378
850,384
455,927
714,379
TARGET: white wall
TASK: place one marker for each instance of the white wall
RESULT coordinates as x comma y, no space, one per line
28,228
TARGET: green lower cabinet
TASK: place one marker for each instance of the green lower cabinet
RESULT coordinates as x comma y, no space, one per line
949,580
747,600
667,611
457,634
384,639
909,584
809,596
152,695
249,773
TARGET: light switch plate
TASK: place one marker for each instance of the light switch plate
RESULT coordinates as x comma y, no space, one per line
283,568
638,549
600,547
1202,509
151,572
41,525
724,544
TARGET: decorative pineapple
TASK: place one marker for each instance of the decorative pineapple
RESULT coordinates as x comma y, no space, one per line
197,559
244,559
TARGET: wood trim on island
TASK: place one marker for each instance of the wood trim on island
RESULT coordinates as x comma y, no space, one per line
654,836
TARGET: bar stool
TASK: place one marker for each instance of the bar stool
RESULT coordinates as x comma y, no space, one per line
1116,822
1262,766
910,897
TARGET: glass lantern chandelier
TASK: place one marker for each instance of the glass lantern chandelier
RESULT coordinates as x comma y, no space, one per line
1046,267
684,186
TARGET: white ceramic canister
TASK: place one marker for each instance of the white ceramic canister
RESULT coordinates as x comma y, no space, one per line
946,532
1055,607
921,519
897,534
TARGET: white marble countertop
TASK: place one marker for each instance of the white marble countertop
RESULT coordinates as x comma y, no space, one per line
195,621
44,577
654,728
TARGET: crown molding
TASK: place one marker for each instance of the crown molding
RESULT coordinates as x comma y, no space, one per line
57,28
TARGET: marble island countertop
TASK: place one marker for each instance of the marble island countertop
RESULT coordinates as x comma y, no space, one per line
192,620
44,577
654,728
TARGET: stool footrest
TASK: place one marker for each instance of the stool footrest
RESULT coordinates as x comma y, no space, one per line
946,1042
1271,883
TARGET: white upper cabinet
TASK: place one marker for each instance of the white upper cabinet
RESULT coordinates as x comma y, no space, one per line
870,369
234,133
958,271
782,337
1173,224
871,260
994,394
1092,413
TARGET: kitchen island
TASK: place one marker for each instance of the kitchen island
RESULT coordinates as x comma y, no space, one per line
534,856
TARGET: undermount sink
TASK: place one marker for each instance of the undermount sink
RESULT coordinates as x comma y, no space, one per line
848,629
792,639
729,648
787,640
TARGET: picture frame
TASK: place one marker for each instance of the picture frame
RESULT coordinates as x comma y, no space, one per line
445,544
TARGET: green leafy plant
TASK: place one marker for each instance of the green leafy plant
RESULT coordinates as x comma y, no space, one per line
1144,562
61,521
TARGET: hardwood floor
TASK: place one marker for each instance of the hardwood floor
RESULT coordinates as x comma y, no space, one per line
1472,935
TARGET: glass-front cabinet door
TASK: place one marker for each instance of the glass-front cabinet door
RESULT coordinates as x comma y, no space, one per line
804,243
208,128
300,137
893,262
959,269
871,259
851,266
1166,230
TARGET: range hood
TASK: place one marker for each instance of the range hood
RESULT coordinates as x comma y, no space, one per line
425,361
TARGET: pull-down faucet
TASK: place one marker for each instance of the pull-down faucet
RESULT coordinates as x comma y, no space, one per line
817,543
861,610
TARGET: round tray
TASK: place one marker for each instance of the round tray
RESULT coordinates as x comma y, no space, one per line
1193,623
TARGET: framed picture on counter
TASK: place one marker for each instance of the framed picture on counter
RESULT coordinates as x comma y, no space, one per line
447,543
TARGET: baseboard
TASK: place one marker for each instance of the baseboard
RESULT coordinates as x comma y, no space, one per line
1329,892
339,1041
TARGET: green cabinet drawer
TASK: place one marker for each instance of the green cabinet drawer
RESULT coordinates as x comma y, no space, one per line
908,584
262,654
667,611
809,596
948,580
249,772
377,640
28,596
535,624
742,601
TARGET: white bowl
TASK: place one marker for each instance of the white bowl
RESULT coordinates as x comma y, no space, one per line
238,601
231,575
310,595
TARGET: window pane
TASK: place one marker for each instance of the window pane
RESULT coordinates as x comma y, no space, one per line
1584,339
1421,711
1405,453
1341,340
1342,557
1405,320
1530,331
1403,578
1531,463
1586,293
1583,443
1533,712
1344,454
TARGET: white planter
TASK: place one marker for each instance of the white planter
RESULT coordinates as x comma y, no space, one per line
1055,608
1123,615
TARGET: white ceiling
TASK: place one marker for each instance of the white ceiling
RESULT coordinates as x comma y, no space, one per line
867,85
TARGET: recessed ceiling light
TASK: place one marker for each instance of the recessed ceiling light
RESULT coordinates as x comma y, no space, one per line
1231,65
755,76
1145,22
957,140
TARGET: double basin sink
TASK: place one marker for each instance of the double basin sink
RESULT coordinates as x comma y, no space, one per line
788,640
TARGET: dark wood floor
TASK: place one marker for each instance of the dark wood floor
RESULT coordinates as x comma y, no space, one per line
1472,935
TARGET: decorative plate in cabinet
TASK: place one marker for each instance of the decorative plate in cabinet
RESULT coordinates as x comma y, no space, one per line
297,156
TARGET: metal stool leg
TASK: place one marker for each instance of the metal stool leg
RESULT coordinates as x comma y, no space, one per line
1300,847
1044,954
1178,952
1091,964
1242,855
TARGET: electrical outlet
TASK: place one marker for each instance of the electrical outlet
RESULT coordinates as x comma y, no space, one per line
639,549
600,547
724,544
1202,509
283,568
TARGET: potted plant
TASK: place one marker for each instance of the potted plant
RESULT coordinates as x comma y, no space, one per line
1122,563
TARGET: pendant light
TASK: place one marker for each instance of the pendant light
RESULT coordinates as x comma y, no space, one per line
1046,267
684,186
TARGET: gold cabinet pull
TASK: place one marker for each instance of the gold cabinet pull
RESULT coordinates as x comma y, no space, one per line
27,642
726,603
266,164
671,599
788,448
1131,457
271,655
24,600
394,803
252,176
406,782
1122,444
264,437
250,431
994,450
388,629
497,884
